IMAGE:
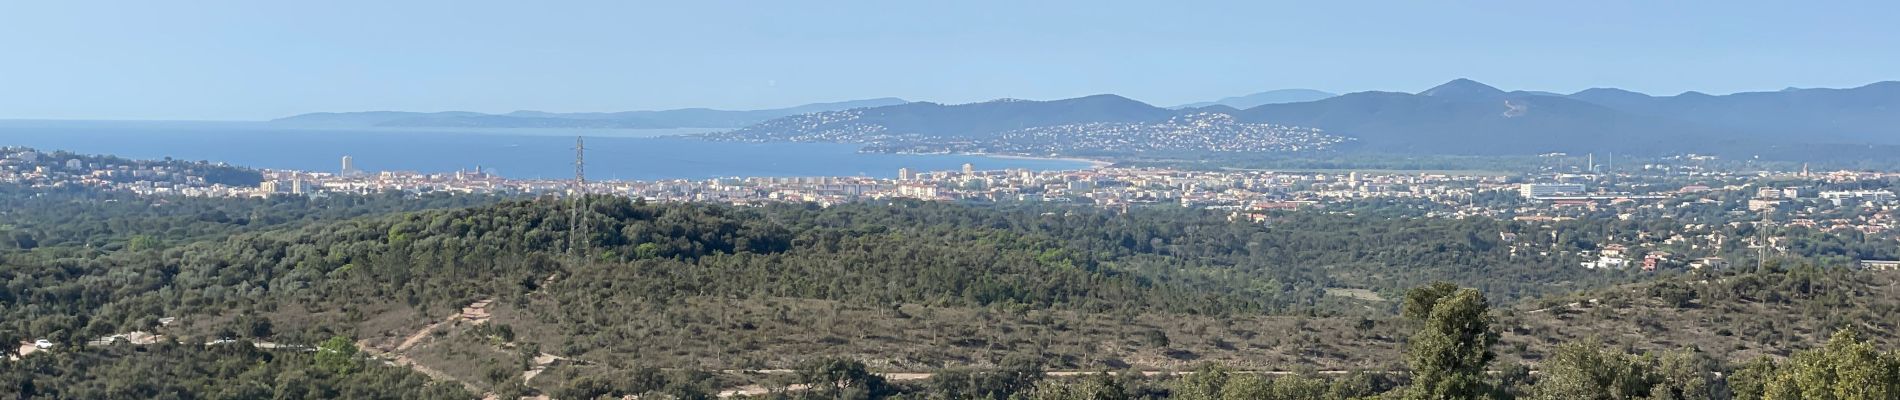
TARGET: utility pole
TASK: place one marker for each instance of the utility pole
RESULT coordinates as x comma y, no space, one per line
577,232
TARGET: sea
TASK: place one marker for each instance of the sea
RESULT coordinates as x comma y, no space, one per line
617,154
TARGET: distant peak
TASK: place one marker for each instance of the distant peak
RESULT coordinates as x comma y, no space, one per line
881,101
1604,91
1882,84
1276,96
1216,108
1105,96
1462,87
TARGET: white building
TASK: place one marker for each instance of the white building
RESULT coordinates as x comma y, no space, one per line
1535,190
1876,196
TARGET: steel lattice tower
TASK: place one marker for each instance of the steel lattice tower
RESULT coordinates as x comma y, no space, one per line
577,233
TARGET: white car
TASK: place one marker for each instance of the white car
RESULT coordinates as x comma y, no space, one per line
43,344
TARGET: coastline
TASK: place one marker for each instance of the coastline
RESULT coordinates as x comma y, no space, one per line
1093,163
524,156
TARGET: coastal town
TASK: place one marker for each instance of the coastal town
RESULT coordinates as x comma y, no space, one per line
950,200
68,171
1703,207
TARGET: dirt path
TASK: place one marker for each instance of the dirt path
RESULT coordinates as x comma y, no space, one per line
758,390
476,313
1592,302
406,362
25,349
541,363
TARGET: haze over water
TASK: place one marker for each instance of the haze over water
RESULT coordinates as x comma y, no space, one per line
513,153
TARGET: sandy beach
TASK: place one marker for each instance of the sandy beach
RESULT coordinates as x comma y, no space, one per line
1093,163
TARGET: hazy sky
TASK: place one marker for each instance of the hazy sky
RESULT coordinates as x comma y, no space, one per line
262,59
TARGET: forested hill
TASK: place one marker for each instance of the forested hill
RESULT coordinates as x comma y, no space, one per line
1171,260
114,169
1733,315
109,221
442,259
479,293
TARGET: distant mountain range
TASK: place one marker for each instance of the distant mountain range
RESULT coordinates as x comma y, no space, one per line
1464,116
1263,98
1093,124
1866,114
925,119
1458,117
680,118
1467,117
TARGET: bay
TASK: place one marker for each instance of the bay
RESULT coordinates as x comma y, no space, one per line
515,153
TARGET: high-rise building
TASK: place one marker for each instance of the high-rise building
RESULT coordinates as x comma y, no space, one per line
349,166
903,174
969,169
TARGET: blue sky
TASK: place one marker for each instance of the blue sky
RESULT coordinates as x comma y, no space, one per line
264,59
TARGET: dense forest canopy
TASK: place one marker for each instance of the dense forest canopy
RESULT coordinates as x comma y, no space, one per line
1176,260
985,293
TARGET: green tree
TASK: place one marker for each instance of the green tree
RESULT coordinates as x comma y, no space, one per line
1016,374
1688,374
1449,354
1205,383
337,355
1750,382
142,242
1092,387
1246,387
1420,301
1846,369
1587,371
842,379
